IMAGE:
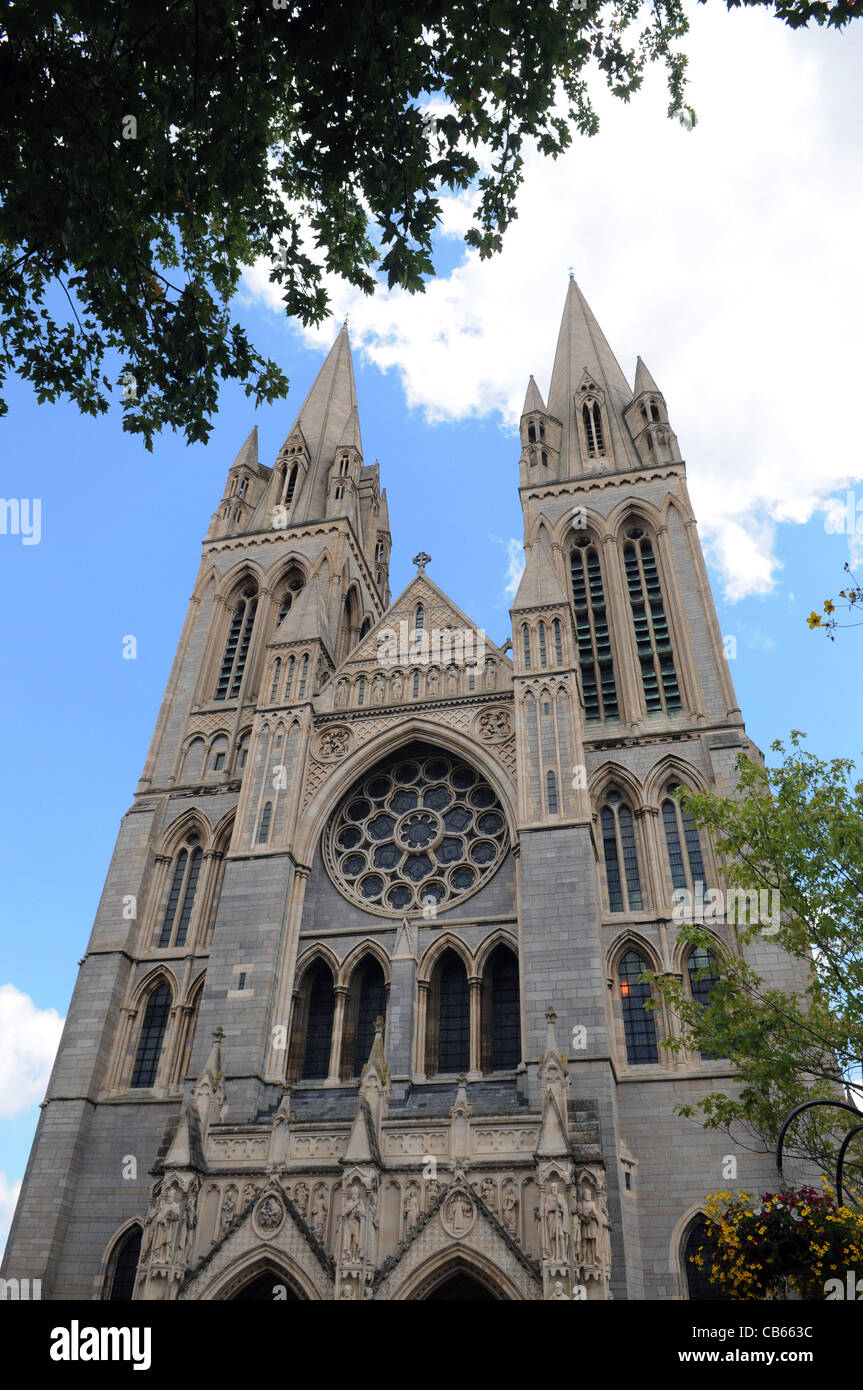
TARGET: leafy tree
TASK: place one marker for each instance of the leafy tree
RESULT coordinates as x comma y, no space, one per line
796,828
149,152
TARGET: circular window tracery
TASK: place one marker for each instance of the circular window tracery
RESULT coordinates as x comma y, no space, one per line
413,830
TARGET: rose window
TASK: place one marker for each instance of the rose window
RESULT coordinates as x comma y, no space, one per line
423,828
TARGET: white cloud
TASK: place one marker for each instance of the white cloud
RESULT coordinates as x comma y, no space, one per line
514,564
720,254
8,1199
29,1038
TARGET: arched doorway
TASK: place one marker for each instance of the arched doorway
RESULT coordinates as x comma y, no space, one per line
698,1286
461,1287
267,1287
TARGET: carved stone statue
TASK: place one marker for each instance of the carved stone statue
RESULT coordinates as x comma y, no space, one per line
166,1225
558,1291
341,698
378,689
557,1235
229,1209
489,1193
452,680
352,1219
397,685
432,680
432,1191
319,1213
591,1229
412,1210
301,1197
509,1210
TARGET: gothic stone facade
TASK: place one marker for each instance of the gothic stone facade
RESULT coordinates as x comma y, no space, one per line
361,1016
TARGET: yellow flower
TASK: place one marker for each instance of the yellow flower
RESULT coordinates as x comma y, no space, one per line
829,606
814,619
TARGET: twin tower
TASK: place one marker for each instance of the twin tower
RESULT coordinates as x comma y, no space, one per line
362,1012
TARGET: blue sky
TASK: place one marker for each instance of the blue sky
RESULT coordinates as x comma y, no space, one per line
739,322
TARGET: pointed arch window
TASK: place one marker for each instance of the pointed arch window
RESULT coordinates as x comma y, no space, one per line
366,626
531,433
621,856
181,897
501,1024
551,793
701,969
420,618
591,631
367,1002
292,485
448,1030
266,818
543,655
558,642
652,637
639,1026
294,584
654,411
687,868
361,691
304,675
277,674
289,681
237,646
243,749
123,1266
152,1036
454,1036
416,685
319,1025
525,637
591,416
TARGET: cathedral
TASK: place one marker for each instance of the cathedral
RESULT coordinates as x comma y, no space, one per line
362,1012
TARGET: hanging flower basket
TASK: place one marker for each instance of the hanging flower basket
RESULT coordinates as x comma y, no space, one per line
779,1246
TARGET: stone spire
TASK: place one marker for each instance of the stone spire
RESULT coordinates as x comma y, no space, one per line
248,455
643,380
540,586
533,400
328,417
583,357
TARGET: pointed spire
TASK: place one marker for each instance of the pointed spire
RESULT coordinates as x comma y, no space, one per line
533,400
643,380
553,1141
351,437
325,417
377,1061
540,586
208,1092
582,349
306,619
248,455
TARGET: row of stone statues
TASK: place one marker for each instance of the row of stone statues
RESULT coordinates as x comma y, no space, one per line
433,681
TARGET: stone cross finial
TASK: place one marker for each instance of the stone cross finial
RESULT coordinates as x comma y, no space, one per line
571,272
421,561
219,1034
